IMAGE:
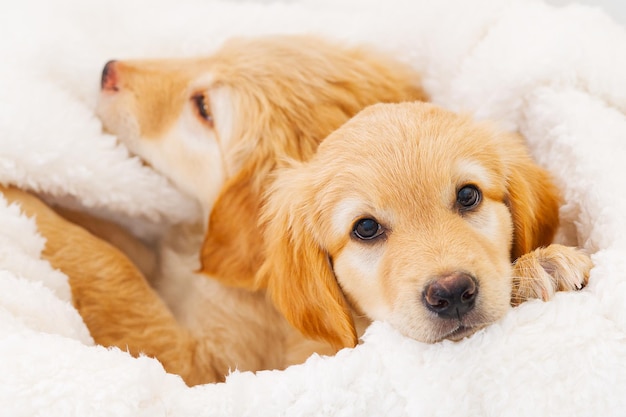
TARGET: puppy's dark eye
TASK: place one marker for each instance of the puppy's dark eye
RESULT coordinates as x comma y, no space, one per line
203,108
367,229
468,197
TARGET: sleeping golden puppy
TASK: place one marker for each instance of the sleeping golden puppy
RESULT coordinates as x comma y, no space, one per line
217,127
413,215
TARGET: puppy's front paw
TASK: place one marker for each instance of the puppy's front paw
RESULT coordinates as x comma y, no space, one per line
544,271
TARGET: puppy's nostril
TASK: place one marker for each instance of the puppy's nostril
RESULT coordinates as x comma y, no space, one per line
109,77
452,295
468,295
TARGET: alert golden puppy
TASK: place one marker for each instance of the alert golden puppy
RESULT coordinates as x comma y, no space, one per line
413,215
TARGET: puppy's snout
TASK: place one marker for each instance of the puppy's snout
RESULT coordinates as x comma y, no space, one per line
451,296
109,77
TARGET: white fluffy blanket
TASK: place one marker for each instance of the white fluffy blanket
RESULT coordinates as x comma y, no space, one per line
556,75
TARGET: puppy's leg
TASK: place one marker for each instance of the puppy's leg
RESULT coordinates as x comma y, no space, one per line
143,257
544,271
114,299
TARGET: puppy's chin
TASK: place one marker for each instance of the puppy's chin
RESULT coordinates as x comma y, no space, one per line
454,332
434,329
462,332
120,140
143,161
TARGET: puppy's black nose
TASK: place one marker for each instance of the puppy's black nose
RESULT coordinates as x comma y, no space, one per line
109,77
451,296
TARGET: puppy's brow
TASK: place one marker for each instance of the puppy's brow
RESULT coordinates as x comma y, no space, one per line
345,213
473,171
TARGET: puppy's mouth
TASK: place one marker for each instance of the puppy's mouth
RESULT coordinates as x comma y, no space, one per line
457,329
462,331
123,143
143,161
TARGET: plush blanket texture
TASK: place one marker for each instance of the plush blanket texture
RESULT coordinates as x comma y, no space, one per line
556,75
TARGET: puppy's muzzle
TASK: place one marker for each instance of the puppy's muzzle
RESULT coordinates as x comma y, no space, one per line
451,296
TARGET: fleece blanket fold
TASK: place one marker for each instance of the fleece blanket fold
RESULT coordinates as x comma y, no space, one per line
554,74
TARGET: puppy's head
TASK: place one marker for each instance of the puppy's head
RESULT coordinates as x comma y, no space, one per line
217,126
409,214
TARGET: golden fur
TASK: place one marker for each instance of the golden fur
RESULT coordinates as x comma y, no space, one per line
268,99
403,166
109,292
121,308
217,127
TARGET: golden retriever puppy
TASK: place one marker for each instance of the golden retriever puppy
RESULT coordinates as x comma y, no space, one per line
217,127
413,215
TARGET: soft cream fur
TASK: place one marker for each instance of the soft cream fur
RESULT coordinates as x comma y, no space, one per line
403,165
217,127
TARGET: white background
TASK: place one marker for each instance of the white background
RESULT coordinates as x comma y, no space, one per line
615,8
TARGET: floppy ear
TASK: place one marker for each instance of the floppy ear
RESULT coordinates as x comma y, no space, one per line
232,248
534,203
297,272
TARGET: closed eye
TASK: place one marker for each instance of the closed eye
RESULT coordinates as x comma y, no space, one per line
203,108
